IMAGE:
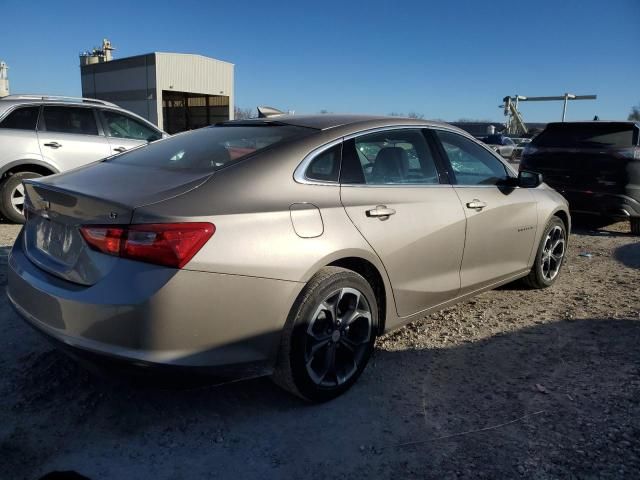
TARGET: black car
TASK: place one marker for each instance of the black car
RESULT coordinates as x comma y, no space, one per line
595,165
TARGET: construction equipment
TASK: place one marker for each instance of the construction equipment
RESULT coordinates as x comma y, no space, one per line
515,124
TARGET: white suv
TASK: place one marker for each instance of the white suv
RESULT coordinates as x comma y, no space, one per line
42,135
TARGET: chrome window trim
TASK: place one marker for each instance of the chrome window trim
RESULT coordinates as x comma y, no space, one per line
299,174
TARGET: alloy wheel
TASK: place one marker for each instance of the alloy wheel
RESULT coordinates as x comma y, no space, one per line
338,337
17,198
553,253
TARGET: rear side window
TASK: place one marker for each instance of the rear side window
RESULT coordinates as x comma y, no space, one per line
394,157
586,135
211,148
325,167
123,126
70,120
25,118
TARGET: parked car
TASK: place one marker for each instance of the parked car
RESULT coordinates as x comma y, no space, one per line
287,260
501,144
42,135
595,165
521,144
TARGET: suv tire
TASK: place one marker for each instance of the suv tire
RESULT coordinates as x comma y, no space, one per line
12,196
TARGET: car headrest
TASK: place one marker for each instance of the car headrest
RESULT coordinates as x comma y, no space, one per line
391,165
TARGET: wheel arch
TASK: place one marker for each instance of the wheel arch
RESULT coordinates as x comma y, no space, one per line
35,166
565,217
374,277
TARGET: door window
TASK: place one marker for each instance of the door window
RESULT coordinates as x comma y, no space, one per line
24,118
393,157
471,163
75,120
123,126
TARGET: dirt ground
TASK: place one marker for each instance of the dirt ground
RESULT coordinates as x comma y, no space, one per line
512,384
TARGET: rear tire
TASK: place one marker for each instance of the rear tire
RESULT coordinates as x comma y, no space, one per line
549,257
329,336
12,196
635,226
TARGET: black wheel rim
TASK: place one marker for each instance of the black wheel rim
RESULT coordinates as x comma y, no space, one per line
338,337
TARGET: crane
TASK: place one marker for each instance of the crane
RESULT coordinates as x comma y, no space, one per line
515,123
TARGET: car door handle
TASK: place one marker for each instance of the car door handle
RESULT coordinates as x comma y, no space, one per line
119,149
476,204
52,145
381,212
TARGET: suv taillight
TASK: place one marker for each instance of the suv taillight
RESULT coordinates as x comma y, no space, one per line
169,244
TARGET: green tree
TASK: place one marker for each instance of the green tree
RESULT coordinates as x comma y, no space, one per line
635,113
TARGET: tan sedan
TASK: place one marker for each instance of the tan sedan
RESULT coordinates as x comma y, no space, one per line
279,246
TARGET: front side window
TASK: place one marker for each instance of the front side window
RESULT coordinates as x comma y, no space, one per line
25,118
123,126
471,163
211,148
393,157
74,120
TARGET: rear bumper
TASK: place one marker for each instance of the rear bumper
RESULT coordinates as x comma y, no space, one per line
151,315
604,204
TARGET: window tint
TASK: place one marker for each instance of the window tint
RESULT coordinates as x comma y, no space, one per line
389,158
70,120
24,118
211,148
123,126
326,166
595,135
471,163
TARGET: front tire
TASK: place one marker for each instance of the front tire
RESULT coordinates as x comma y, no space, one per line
329,335
550,256
635,226
12,196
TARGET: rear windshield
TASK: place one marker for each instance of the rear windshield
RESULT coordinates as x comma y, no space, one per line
587,135
210,149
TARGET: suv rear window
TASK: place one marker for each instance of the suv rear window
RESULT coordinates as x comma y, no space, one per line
24,118
595,135
210,148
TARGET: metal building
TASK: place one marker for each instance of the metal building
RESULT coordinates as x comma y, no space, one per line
176,91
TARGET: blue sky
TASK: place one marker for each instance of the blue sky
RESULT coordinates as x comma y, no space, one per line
446,60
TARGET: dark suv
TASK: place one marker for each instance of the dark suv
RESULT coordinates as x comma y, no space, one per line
595,165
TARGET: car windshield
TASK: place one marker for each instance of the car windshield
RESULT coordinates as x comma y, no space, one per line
586,135
212,148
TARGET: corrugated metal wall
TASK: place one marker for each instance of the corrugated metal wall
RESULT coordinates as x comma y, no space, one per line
136,83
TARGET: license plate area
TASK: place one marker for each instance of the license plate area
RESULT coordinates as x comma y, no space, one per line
54,239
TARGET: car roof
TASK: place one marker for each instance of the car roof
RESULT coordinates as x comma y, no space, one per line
594,122
345,121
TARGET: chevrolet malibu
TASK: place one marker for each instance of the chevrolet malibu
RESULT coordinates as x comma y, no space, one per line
280,246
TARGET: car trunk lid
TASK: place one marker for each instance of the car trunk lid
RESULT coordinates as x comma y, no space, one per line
103,194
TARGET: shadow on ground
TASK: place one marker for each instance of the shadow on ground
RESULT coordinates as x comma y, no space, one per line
555,400
628,255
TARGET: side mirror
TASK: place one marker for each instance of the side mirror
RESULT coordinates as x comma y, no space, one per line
528,179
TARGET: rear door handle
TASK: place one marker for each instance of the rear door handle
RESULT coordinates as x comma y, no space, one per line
119,149
52,145
476,204
381,212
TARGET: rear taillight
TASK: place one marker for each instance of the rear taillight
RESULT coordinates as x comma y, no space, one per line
169,244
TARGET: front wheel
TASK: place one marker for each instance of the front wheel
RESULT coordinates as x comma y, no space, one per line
550,256
329,335
12,196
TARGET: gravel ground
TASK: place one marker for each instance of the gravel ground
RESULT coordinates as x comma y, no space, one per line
512,384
